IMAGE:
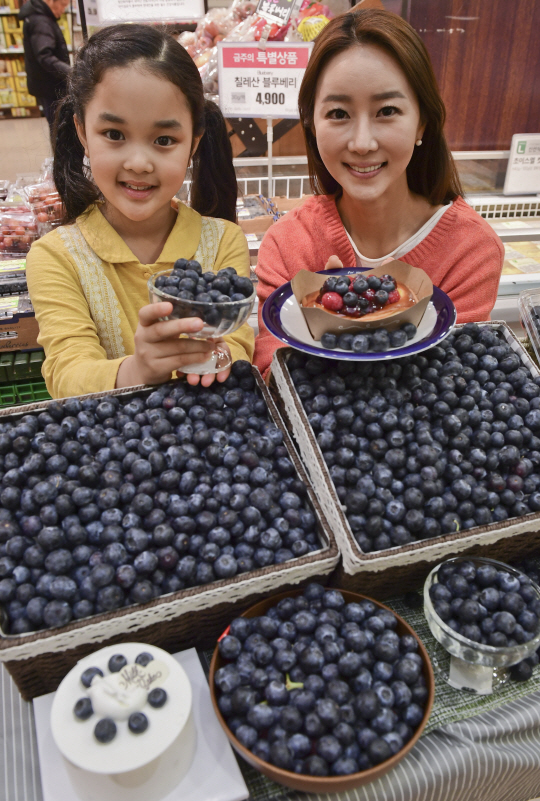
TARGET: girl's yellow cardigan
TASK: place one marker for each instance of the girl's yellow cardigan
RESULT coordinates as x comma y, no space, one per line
87,288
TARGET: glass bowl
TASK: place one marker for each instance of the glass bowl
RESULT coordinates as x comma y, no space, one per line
469,665
220,318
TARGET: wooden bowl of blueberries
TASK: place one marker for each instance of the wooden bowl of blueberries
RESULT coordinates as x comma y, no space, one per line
321,690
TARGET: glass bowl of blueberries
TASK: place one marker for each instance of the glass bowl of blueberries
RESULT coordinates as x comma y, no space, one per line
321,690
486,616
222,300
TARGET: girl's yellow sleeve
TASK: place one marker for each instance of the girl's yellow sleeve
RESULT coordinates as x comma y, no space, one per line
234,252
76,362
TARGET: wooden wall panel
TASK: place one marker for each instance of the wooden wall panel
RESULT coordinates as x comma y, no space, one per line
486,56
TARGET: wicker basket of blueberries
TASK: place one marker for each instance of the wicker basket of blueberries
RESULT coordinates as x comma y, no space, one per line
150,512
421,458
321,690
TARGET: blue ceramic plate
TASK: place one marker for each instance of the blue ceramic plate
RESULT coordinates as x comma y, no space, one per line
284,319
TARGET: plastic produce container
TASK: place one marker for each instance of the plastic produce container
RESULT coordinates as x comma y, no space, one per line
18,229
529,312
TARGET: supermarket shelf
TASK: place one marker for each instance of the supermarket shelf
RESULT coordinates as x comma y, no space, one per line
12,51
14,12
511,285
517,230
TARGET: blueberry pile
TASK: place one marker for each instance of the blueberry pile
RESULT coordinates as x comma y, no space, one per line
320,686
106,729
374,341
357,295
115,501
486,604
523,670
427,445
188,282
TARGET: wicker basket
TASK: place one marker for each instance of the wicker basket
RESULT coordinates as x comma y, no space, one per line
191,617
384,574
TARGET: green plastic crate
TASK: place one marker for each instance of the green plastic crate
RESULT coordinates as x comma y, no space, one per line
23,392
31,392
8,395
17,365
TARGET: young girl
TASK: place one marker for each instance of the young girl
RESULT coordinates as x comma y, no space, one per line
136,112
385,184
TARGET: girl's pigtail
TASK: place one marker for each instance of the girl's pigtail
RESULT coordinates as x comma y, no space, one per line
74,187
214,189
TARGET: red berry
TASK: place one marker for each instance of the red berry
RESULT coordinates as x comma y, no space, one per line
332,301
369,294
351,311
393,297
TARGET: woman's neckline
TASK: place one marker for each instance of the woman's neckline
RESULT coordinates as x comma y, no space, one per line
408,244
406,215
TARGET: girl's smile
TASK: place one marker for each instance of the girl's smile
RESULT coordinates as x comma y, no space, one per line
137,191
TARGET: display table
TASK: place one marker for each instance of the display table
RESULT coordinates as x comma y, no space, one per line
474,749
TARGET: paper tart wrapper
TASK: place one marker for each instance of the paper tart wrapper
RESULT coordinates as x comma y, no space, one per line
321,322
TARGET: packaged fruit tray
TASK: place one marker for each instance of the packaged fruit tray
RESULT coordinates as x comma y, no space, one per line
395,542
83,609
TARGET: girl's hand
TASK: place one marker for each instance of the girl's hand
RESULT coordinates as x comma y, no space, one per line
206,380
333,263
159,351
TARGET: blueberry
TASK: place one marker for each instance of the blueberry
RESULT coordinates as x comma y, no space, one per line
137,722
156,697
105,730
116,663
83,709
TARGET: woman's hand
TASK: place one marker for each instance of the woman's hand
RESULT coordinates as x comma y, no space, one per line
333,263
159,351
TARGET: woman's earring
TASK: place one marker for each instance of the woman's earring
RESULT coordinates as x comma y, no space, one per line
418,142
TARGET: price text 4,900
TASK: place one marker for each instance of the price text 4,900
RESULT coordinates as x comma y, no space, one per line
273,98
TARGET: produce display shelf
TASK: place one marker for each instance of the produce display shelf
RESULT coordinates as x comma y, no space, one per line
401,567
196,615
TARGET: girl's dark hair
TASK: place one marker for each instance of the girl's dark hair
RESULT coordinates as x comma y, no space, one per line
431,171
214,187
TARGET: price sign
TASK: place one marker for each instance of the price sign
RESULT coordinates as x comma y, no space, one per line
523,171
277,11
99,12
261,83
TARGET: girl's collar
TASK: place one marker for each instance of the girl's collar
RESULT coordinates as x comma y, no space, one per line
110,247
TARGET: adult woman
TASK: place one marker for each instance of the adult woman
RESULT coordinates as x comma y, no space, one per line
384,180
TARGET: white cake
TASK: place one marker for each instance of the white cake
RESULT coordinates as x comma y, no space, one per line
139,709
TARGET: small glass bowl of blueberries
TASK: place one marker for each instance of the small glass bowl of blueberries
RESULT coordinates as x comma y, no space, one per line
222,300
486,616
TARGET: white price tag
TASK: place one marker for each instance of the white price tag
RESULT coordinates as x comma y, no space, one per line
514,224
107,11
261,83
523,171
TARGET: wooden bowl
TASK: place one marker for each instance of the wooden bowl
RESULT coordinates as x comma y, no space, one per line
325,784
